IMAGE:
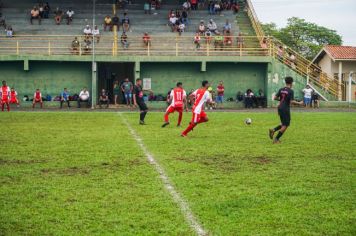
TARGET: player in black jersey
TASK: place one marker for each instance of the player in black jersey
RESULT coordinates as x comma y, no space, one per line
139,101
285,96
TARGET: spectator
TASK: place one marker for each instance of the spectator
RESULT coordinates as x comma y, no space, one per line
211,8
64,98
212,98
220,97
239,97
178,15
264,43
261,99
13,97
96,34
9,32
58,13
151,97
181,27
124,42
127,88
37,98
115,21
3,22
235,8
75,46
315,100
87,46
201,28
84,97
147,7
103,98
197,41
40,9
227,39
292,60
208,36
69,14
35,14
217,8
87,32
185,19
227,26
173,20
194,4
307,95
249,96
240,41
146,39
212,26
46,10
218,41
125,22
280,53
116,91
107,23
186,5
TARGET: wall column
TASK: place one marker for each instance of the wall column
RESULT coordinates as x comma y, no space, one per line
268,85
137,71
340,81
94,85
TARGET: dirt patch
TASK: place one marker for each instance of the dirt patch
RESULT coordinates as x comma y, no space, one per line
67,171
135,162
262,160
20,162
220,162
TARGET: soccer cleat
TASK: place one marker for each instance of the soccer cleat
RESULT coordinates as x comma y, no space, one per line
165,124
179,126
276,141
271,133
183,135
142,122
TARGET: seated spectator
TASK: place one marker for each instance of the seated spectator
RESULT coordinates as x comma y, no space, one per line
35,14
264,43
115,21
13,97
124,42
227,26
64,98
240,41
87,32
96,34
170,14
103,98
147,7
185,19
84,97
181,28
58,13
228,39
197,40
151,97
9,32
40,9
280,53
235,8
46,10
239,97
37,98
69,14
261,99
107,23
201,28
173,22
249,96
87,46
146,39
208,36
315,100
75,46
212,26
126,22
218,41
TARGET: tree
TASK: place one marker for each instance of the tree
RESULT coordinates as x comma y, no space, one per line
304,37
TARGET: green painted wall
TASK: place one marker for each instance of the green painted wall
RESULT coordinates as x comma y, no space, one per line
50,77
236,76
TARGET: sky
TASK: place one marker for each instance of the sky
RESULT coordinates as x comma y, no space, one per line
339,15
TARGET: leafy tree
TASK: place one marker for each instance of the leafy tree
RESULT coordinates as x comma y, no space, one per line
304,37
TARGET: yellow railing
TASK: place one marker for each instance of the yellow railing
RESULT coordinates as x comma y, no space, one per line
300,64
108,45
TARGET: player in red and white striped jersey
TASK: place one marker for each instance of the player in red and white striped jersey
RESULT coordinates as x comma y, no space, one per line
5,96
37,98
199,116
178,99
13,97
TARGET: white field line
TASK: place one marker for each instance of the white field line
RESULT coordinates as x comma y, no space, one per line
183,205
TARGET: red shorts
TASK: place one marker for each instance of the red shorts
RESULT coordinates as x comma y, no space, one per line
3,101
13,100
197,117
37,100
171,109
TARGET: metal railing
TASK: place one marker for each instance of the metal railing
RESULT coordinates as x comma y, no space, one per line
300,64
112,46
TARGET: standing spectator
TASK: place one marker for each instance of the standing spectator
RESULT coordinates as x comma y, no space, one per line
37,98
35,14
280,53
147,7
220,98
127,88
217,8
107,23
115,21
104,98
315,100
235,8
186,6
194,4
292,60
125,22
146,39
41,10
84,97
124,42
249,98
307,95
185,19
58,13
64,98
46,10
13,97
197,41
69,14
96,34
116,91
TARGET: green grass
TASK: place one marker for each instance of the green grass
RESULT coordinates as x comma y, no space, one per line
83,173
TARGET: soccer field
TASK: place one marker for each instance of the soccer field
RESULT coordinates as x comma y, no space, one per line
86,174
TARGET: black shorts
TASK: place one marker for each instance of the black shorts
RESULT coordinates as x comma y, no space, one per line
142,105
284,115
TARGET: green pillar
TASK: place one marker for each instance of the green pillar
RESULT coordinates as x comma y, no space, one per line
94,85
26,66
269,84
137,70
203,66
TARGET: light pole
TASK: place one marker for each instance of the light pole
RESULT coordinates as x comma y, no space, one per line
93,64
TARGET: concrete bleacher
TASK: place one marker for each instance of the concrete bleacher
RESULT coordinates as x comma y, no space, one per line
17,14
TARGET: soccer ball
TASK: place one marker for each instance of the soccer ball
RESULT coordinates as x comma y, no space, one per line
248,121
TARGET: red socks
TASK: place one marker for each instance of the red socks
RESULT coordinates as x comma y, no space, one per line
189,128
166,119
180,118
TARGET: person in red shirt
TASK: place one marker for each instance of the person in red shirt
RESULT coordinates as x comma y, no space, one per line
5,96
13,97
201,97
146,39
177,99
220,98
37,98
